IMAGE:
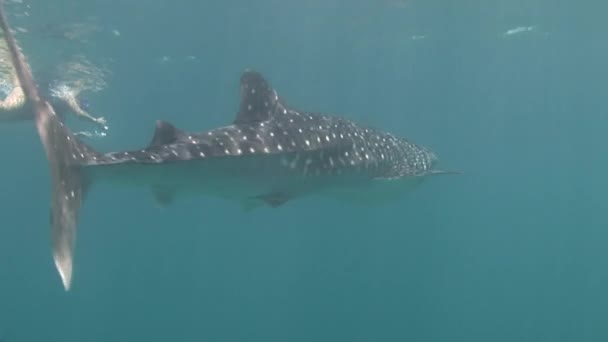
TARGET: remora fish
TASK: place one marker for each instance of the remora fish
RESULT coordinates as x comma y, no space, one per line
271,154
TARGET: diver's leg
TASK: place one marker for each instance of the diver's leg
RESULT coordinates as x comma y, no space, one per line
69,97
88,134
14,99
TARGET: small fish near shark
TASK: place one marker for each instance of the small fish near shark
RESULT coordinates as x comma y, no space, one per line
271,154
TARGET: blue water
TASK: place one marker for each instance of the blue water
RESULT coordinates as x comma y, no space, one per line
514,249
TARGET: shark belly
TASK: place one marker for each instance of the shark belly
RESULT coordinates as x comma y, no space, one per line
238,177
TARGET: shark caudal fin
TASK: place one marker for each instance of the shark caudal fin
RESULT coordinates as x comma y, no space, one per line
65,154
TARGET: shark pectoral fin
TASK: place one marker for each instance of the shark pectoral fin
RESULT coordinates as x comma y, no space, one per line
163,197
250,204
274,200
444,172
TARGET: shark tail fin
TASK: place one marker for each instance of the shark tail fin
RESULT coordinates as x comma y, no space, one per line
65,154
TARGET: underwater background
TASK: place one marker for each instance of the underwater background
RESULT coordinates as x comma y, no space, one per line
511,93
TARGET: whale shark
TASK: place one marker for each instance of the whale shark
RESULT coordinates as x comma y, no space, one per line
269,155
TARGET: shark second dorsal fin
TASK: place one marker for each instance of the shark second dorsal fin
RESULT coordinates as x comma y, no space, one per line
258,100
165,133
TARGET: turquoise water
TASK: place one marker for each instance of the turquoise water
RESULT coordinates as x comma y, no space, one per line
509,92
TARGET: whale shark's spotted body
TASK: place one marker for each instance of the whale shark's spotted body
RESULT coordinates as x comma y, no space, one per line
265,126
275,145
270,154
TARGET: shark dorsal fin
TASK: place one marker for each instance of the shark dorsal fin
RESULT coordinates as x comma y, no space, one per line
258,100
165,133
